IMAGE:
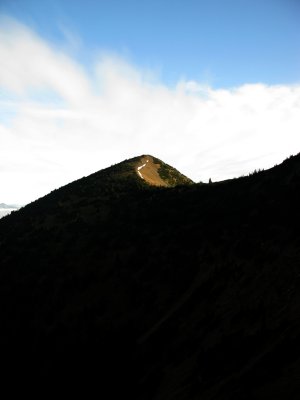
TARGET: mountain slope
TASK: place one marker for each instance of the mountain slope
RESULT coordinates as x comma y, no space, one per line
157,292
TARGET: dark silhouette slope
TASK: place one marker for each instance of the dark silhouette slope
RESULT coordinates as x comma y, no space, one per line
190,292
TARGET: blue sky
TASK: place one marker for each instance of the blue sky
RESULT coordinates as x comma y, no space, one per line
210,87
226,43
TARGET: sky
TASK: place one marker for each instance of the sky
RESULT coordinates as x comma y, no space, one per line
211,87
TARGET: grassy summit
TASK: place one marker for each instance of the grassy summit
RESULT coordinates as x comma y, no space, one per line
156,172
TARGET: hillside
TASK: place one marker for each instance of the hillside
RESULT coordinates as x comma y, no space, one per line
150,290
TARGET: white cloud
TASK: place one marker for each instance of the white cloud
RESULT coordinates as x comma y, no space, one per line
89,122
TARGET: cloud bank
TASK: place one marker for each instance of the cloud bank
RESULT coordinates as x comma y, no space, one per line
59,122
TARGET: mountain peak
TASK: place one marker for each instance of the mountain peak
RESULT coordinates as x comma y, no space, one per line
157,173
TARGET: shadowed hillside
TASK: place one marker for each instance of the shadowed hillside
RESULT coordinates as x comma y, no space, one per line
152,292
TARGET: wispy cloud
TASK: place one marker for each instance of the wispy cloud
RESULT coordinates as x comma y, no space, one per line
65,122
